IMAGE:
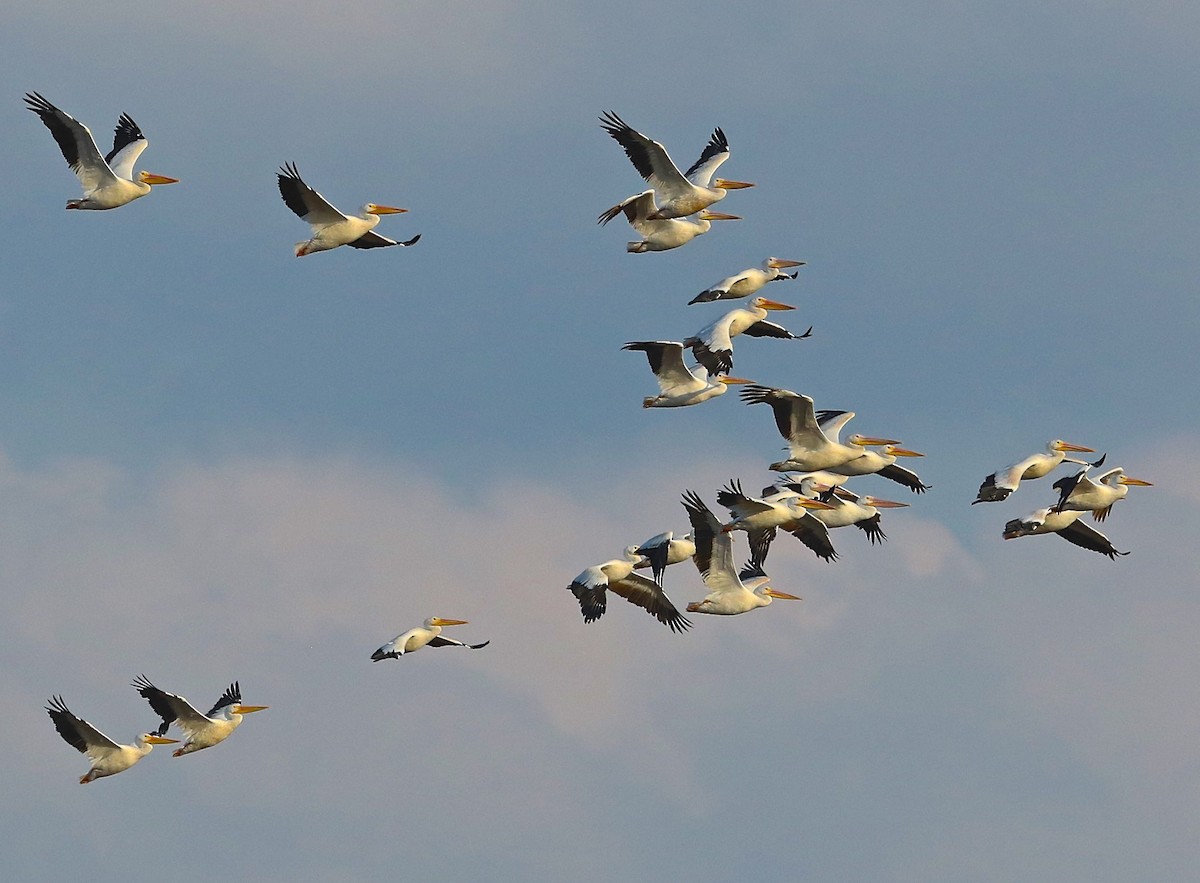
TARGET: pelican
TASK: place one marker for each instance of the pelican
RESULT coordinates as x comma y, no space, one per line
1003,482
107,181
678,384
1067,525
759,517
876,463
428,634
664,549
202,730
589,588
108,757
679,195
849,508
330,228
728,594
659,235
1095,495
810,445
712,345
747,282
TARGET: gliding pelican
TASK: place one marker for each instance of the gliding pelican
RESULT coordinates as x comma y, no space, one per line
1067,525
679,385
108,757
1003,482
664,549
760,516
429,634
1095,495
107,181
747,282
589,588
678,194
331,228
712,345
659,235
202,730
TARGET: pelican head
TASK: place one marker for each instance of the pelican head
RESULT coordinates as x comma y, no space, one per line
865,441
1135,482
248,709
372,209
762,303
781,263
438,621
706,215
147,178
726,184
881,504
1058,445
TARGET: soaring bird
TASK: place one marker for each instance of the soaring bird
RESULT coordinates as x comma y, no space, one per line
679,194
747,282
1003,482
712,345
848,508
107,181
664,549
429,634
881,463
728,593
108,757
760,517
812,441
202,730
678,384
659,234
1095,495
590,588
1067,525
331,228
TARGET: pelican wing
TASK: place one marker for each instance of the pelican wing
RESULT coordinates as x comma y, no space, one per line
715,152
833,422
76,143
657,550
128,144
77,732
793,413
1089,538
648,156
871,528
636,208
371,239
1068,484
714,548
648,595
763,328
171,708
813,533
903,476
440,641
712,345
307,203
666,361
589,589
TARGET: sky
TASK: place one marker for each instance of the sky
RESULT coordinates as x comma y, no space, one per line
224,463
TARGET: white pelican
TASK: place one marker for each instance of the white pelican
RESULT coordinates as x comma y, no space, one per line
428,634
331,228
1003,482
107,181
728,594
678,384
202,730
759,517
747,282
659,235
589,588
712,345
881,463
1067,525
810,447
848,508
679,194
1095,495
108,757
664,549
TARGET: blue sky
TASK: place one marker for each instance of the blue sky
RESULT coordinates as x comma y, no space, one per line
221,462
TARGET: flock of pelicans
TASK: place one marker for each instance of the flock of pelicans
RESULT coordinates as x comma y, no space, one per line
807,500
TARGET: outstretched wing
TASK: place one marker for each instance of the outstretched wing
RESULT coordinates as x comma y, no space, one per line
308,204
371,239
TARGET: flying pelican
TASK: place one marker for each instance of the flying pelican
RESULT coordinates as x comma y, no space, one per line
679,195
428,634
728,594
1067,525
759,517
659,235
664,549
589,588
712,345
747,282
107,181
331,228
108,757
678,384
1003,482
849,508
202,730
1095,495
872,462
810,447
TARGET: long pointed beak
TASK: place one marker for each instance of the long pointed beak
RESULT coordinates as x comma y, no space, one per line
158,179
693,607
437,620
160,740
903,452
805,503
1136,482
1067,446
388,210
726,184
249,709
874,440
774,305
780,263
783,596
717,216
884,504
725,378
